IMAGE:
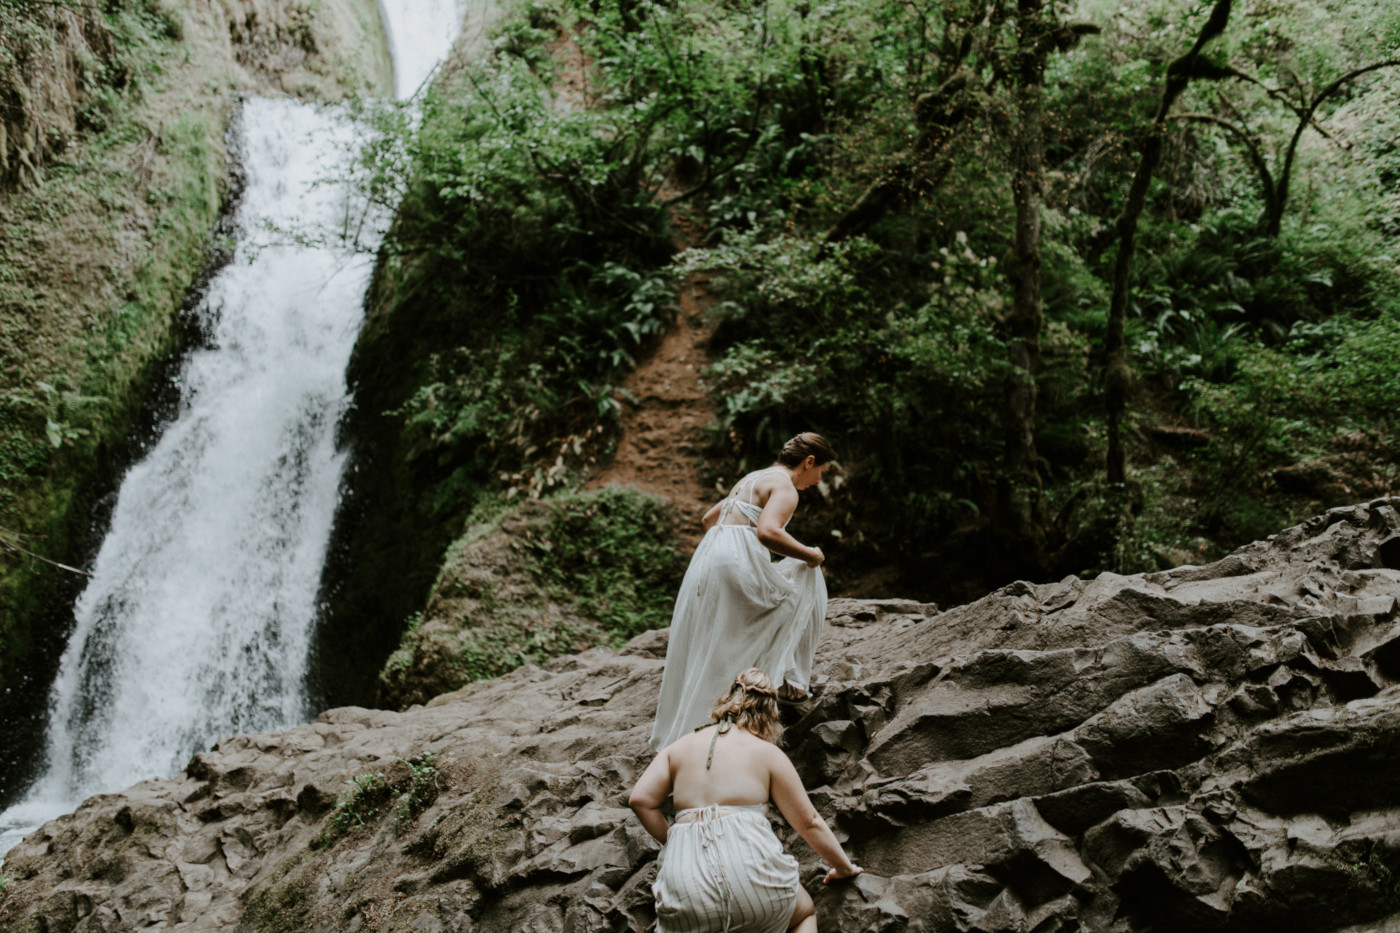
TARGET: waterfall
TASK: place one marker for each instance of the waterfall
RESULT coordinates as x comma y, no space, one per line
421,33
198,619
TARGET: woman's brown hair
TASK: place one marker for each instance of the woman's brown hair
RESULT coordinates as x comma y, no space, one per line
807,444
751,703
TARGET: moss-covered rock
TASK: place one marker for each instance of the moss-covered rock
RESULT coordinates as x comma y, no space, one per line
281,902
540,579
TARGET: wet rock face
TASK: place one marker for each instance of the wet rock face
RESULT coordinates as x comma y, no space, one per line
1211,748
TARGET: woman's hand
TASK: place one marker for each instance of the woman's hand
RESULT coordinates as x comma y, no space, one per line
818,559
837,874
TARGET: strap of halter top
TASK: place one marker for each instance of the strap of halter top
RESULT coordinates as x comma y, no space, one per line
733,499
721,728
751,477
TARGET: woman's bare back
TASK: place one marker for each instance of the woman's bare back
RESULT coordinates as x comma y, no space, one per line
755,489
740,773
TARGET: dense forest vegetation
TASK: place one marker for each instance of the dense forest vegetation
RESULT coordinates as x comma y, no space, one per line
1072,287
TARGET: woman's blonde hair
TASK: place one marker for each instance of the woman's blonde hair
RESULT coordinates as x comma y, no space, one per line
751,703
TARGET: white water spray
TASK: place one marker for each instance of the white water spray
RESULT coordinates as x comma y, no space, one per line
421,33
198,621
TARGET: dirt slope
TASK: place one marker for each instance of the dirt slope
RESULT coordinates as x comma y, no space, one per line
666,411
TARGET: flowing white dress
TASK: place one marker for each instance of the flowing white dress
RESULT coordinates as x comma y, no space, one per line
737,609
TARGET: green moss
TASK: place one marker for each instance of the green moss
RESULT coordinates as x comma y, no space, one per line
79,353
367,797
613,554
281,902
464,844
540,579
1373,877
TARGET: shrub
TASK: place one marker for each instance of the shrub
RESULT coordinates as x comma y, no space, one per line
369,796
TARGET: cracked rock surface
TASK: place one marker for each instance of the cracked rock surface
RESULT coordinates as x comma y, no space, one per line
1208,748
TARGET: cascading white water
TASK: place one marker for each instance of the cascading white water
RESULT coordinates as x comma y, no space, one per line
197,622
421,33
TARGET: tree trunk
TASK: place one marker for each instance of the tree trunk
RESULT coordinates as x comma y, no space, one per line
1273,213
1116,372
1022,500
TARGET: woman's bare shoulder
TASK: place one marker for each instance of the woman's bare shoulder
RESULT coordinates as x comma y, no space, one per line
759,746
690,738
691,741
771,480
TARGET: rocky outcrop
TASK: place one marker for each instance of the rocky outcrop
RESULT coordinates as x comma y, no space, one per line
1207,748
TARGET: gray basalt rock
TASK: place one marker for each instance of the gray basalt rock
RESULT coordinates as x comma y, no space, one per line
1210,748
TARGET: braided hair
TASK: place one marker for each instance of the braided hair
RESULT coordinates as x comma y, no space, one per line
751,703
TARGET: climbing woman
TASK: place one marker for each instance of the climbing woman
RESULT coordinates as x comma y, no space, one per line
738,608
721,866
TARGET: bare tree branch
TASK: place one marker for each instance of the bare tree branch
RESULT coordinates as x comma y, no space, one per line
10,545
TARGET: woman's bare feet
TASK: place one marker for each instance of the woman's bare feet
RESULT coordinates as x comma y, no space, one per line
790,694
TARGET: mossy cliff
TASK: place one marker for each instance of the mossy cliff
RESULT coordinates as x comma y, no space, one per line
539,580
114,176
496,329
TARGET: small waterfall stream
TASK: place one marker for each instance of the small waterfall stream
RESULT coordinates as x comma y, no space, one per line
197,622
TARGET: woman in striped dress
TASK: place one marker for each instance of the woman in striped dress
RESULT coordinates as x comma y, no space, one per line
722,868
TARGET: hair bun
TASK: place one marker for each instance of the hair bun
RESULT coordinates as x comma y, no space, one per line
751,702
807,444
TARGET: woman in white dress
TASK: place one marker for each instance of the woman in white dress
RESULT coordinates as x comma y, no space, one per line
722,868
738,608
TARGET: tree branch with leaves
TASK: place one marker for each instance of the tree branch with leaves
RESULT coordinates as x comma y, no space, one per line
1116,372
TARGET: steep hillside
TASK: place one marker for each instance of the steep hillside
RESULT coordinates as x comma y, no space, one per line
850,181
1205,748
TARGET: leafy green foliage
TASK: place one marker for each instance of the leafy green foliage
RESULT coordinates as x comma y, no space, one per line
364,798
805,343
498,405
497,185
613,554
367,797
765,123
421,789
535,579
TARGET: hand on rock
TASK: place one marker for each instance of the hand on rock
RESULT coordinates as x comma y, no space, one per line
837,875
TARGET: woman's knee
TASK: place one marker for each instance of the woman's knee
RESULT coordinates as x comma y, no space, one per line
803,909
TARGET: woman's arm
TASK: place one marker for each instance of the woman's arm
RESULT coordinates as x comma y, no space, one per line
650,791
782,502
796,807
712,515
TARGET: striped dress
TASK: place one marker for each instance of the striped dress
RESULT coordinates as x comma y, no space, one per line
723,871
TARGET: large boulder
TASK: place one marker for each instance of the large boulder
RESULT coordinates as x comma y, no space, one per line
1207,748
